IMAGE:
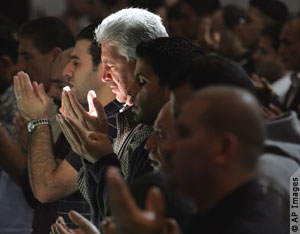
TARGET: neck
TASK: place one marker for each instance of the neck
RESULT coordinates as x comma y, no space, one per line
218,191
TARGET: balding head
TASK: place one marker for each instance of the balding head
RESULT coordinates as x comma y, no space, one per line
232,110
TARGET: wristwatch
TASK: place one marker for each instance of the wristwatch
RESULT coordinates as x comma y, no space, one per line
31,126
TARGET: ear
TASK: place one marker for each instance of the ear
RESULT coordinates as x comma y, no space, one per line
226,148
6,62
55,52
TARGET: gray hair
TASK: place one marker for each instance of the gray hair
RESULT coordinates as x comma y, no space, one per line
126,28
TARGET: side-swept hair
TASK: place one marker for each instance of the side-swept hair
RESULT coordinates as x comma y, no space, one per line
47,33
88,33
211,70
166,55
126,28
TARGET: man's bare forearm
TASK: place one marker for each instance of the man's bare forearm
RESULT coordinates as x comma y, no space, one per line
47,180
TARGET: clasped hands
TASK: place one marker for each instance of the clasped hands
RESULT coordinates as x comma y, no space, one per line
85,130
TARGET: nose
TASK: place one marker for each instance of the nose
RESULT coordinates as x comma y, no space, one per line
151,143
68,71
281,49
133,88
105,74
21,65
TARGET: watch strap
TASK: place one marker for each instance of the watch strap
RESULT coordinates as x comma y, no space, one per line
31,126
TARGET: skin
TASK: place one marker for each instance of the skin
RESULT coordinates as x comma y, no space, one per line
144,90
289,48
81,69
36,64
250,31
267,61
49,179
117,72
162,129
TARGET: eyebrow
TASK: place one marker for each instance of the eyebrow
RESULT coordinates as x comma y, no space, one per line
24,53
74,57
140,75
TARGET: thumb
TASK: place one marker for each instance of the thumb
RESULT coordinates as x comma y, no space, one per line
85,225
90,97
155,203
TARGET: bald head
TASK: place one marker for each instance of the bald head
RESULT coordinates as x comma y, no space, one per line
232,110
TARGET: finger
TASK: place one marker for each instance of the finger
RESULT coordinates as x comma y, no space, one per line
85,225
275,109
121,201
155,202
42,93
26,87
267,113
60,229
17,86
76,106
90,97
67,107
68,132
100,110
54,229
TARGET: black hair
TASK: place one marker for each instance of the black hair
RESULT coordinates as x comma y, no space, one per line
211,70
204,7
88,33
233,15
166,54
8,43
274,9
272,32
47,33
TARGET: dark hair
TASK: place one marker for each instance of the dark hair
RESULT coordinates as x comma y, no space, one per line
274,9
88,33
233,15
166,54
204,7
272,32
211,70
8,44
47,33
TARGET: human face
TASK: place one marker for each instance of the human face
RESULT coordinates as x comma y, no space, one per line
190,150
289,48
147,95
117,71
162,129
58,81
250,31
268,63
80,71
36,64
190,22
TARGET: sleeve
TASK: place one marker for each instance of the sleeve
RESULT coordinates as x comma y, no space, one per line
74,160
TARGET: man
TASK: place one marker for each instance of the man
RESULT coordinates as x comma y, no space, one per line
260,15
52,180
289,51
269,64
118,34
221,35
219,175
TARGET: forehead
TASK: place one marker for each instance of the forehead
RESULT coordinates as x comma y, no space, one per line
143,67
110,52
26,45
164,119
81,48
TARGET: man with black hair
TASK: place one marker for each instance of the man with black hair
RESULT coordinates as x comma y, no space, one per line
52,179
268,62
261,14
289,51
